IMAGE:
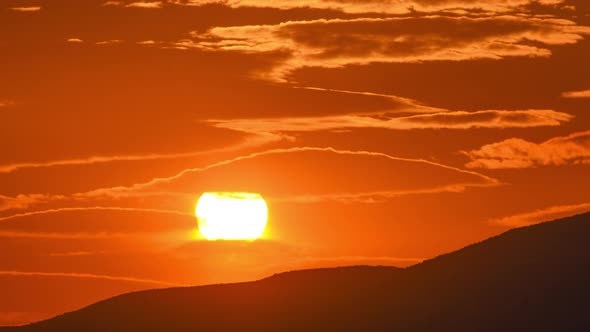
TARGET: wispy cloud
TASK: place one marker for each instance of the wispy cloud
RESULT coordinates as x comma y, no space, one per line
74,40
136,4
377,196
373,6
109,42
338,42
541,215
27,9
87,276
253,140
443,120
92,208
137,189
66,235
24,201
576,94
519,153
75,253
406,105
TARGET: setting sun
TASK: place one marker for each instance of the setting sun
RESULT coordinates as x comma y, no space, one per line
231,215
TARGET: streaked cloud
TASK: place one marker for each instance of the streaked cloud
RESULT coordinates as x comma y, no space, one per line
542,215
74,40
27,9
442,120
373,197
262,166
99,223
87,276
24,201
254,140
576,94
63,235
136,4
333,43
372,6
519,153
74,253
109,42
91,208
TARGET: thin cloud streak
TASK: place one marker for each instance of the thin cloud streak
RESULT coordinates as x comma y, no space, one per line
576,94
125,191
88,276
27,9
136,4
443,120
376,196
24,201
92,208
412,105
257,139
542,215
67,236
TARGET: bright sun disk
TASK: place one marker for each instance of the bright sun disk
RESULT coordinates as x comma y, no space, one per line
231,215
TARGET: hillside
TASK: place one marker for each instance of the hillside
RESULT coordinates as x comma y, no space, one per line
534,278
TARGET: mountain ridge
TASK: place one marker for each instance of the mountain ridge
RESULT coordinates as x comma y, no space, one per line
530,278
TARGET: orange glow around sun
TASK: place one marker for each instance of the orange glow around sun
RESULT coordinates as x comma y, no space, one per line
231,215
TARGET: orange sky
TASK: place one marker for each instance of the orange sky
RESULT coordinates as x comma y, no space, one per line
379,132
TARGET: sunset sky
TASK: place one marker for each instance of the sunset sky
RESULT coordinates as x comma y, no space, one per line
379,132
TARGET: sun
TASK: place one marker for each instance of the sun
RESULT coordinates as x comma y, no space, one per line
231,215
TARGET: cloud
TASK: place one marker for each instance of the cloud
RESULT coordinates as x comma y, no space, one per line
404,105
136,4
576,94
442,120
253,140
519,153
99,223
542,215
24,201
92,208
63,236
373,197
74,40
87,276
339,42
372,6
109,42
75,253
27,9
310,173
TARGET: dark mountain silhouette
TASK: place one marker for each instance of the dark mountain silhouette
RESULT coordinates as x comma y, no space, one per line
534,278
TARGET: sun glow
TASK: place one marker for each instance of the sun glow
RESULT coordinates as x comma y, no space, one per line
231,215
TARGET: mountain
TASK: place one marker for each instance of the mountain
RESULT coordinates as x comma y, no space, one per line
535,278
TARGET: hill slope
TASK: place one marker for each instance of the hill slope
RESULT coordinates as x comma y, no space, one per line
535,278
